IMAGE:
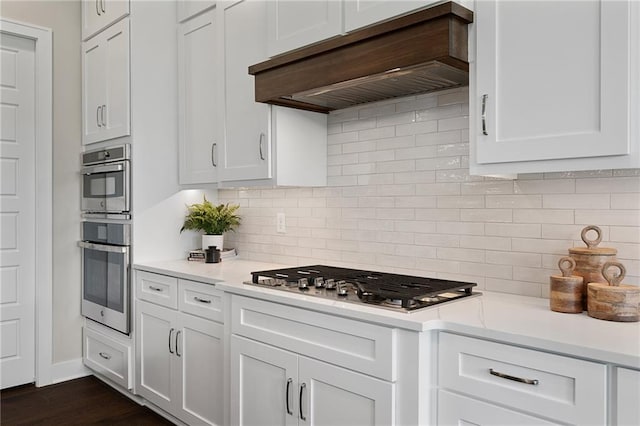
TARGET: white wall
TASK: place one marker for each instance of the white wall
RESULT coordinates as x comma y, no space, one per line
63,17
159,203
400,199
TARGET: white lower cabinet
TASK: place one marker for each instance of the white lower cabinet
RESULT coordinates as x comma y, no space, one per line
272,386
180,360
507,383
108,353
627,407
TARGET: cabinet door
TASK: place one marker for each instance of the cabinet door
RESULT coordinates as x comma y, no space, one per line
199,352
247,146
189,8
460,410
105,83
263,384
198,99
93,83
156,336
334,396
294,24
361,13
99,14
548,93
116,106
628,395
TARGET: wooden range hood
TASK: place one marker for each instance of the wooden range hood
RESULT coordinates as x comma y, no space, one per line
416,53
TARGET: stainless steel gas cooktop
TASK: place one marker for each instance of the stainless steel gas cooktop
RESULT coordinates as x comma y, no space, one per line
403,293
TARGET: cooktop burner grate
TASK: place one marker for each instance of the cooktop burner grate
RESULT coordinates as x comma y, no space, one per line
394,291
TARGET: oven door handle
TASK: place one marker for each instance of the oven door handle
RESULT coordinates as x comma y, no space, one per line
107,168
103,247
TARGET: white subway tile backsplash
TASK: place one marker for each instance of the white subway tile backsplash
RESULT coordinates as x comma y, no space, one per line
625,234
514,201
608,185
543,216
400,198
488,187
575,201
608,217
417,128
486,215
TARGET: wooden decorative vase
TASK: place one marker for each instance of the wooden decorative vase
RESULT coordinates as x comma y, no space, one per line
567,289
614,301
591,259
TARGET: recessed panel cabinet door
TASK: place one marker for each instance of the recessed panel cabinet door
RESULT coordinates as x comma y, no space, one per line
294,24
156,334
200,354
117,91
628,395
198,99
331,395
246,153
93,83
553,81
263,384
99,14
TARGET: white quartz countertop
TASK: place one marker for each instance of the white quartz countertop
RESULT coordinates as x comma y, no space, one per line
520,320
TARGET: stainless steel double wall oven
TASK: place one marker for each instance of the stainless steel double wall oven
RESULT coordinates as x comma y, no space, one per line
106,237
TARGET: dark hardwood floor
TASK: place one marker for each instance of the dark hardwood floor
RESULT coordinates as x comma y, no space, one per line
83,401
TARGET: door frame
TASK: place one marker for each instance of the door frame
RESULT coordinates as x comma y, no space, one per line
44,192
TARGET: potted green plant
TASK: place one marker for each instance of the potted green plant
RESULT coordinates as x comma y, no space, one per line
213,219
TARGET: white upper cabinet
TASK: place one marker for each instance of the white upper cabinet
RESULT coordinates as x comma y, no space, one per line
294,24
260,144
555,91
198,99
105,85
99,14
189,8
246,151
361,13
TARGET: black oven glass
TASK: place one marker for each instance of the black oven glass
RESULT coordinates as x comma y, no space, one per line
103,185
104,275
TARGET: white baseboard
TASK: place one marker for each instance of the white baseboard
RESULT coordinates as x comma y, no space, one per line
68,370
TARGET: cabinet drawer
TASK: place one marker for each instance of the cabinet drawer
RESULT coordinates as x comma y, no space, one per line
158,289
107,356
352,344
558,387
460,410
202,300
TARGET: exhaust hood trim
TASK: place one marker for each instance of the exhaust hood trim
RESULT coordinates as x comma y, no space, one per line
416,53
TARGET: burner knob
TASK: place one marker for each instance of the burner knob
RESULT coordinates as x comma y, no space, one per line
330,284
318,282
342,288
303,284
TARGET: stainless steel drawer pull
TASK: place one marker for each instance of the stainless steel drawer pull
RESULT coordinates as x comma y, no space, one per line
97,10
155,288
170,333
197,299
102,6
213,154
289,381
104,355
104,107
514,378
260,145
484,114
98,116
302,386
177,337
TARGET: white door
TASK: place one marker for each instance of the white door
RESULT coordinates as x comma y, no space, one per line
264,384
334,396
546,92
17,207
246,152
201,367
198,99
156,338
